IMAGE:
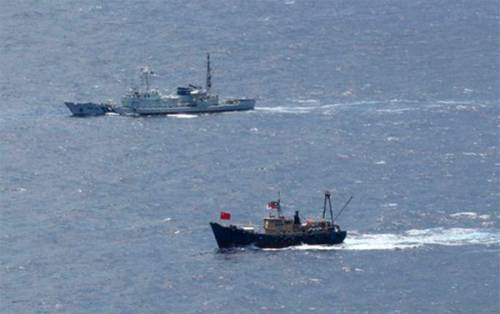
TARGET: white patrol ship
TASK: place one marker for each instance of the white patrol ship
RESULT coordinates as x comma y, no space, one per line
148,101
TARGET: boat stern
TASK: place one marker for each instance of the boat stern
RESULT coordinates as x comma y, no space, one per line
342,236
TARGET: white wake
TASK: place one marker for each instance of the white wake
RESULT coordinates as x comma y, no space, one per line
412,239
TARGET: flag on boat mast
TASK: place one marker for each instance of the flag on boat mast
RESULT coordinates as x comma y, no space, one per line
273,205
225,215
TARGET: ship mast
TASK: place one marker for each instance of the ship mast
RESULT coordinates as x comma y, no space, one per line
208,84
280,214
327,198
145,73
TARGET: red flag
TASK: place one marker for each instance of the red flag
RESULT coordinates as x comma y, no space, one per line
225,215
272,205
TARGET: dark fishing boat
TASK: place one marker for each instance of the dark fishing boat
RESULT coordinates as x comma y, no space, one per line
279,231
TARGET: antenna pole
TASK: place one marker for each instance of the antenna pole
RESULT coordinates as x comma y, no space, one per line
279,204
208,83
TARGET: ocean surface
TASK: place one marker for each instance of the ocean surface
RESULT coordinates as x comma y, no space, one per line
395,103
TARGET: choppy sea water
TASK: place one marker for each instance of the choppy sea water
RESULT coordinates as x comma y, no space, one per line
393,103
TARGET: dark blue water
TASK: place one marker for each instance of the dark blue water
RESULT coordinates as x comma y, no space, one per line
393,102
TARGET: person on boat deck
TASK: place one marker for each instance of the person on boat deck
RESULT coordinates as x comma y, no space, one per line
296,218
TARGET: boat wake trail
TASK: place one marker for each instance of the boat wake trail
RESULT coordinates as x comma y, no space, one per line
311,106
294,110
413,239
393,106
183,116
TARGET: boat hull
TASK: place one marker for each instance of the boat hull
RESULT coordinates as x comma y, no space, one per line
237,105
94,109
89,109
232,236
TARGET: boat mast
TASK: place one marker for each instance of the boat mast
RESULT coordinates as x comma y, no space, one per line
327,197
279,205
208,83
147,80
145,72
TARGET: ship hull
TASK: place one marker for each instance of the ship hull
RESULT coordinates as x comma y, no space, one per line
93,109
232,236
89,109
238,105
